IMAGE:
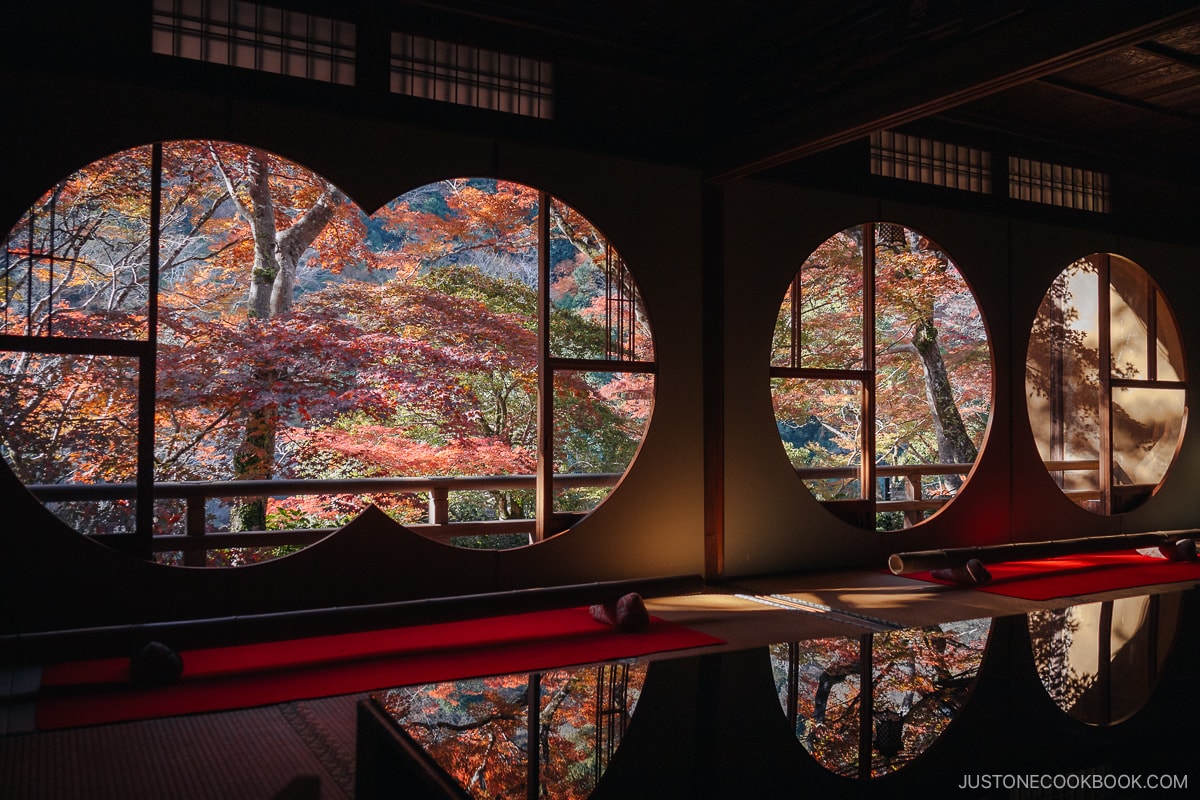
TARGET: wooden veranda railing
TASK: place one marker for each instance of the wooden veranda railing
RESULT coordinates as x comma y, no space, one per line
909,478
196,538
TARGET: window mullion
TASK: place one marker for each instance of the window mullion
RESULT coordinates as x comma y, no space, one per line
867,468
29,273
1104,374
50,258
545,417
797,321
147,370
866,702
1151,329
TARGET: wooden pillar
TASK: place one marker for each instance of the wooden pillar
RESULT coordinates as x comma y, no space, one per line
194,526
713,369
439,505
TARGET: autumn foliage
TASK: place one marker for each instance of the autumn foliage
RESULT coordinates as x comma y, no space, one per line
880,312
292,335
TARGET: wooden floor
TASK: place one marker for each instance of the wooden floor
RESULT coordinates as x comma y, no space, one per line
305,750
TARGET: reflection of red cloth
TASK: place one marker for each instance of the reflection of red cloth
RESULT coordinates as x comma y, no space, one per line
93,692
1070,576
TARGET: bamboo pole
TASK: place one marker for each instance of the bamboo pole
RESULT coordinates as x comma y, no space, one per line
922,560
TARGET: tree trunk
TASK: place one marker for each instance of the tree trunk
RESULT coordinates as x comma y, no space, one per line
261,217
953,442
271,294
254,460
507,506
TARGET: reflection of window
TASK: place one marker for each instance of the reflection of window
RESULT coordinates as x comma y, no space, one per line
183,318
487,732
1108,435
919,679
881,376
1100,662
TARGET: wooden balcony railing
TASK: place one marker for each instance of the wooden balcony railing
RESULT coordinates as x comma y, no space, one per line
197,539
914,503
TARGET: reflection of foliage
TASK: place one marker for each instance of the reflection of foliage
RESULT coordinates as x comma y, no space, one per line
478,730
1052,633
922,677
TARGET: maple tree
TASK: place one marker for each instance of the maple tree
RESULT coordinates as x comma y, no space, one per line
295,336
86,259
925,362
466,323
74,266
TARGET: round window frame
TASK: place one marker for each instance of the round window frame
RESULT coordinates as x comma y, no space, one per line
144,543
863,512
1112,498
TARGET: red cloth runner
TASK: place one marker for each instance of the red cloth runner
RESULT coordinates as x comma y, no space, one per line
1071,576
98,691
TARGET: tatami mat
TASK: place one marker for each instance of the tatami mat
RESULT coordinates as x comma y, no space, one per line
241,755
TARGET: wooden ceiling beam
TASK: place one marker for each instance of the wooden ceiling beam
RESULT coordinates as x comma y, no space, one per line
1171,54
1034,44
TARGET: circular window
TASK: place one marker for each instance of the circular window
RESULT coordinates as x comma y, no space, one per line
1106,383
210,356
1100,662
881,376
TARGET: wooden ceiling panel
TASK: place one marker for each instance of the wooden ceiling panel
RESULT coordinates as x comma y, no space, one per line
1153,79
1183,99
1185,38
1045,114
1111,67
1071,75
